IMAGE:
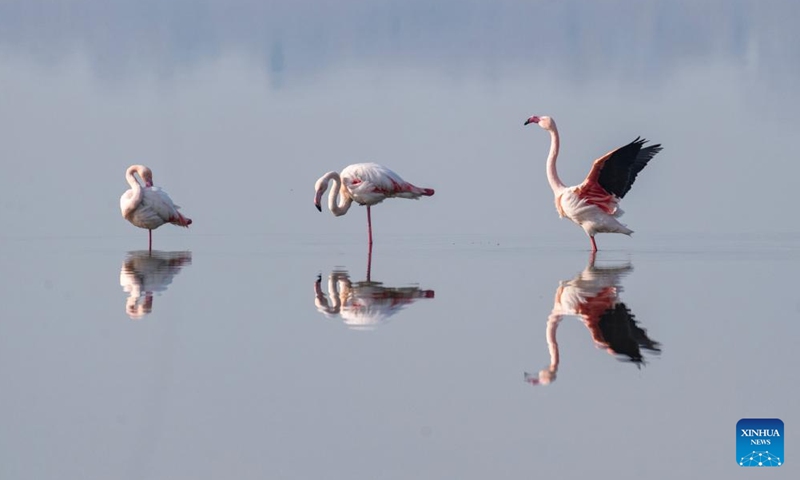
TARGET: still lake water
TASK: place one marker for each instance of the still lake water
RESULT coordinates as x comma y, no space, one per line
257,344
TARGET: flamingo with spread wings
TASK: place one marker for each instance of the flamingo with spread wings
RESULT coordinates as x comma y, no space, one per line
366,184
594,204
148,207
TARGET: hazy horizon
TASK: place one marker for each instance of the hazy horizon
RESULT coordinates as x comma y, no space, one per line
259,344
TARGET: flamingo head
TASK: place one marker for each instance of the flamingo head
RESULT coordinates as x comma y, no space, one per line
545,122
147,176
320,187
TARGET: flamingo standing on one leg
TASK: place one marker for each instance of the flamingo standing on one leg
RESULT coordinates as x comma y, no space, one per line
594,203
148,207
366,184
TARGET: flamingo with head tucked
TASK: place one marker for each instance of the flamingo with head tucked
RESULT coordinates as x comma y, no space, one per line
594,203
366,184
148,207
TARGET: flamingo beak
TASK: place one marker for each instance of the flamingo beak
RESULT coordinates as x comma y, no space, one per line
533,119
318,199
148,184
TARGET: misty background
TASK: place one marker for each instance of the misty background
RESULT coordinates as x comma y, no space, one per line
240,106
211,357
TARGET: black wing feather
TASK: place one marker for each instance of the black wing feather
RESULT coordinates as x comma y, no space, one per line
622,167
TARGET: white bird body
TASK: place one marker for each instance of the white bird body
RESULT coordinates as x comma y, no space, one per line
594,204
153,209
590,217
371,183
148,207
366,184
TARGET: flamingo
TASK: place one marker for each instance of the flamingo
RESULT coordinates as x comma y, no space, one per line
594,203
148,207
366,184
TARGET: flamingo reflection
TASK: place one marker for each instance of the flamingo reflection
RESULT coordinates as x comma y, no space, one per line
593,295
366,304
144,273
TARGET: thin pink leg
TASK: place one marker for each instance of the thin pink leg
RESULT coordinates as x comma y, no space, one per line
369,224
594,245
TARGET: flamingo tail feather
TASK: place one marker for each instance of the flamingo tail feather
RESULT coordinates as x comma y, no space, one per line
180,220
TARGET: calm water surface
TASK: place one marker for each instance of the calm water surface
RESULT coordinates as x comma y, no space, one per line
479,339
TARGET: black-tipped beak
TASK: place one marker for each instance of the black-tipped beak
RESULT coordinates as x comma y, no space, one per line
527,121
319,208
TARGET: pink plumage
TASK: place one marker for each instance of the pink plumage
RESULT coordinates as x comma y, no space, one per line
593,204
149,207
366,184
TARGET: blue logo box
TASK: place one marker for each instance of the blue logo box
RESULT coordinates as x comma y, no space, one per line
759,442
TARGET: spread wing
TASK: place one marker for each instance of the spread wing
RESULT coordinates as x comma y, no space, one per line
616,171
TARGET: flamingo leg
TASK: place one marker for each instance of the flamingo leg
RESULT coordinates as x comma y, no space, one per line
369,225
594,245
150,243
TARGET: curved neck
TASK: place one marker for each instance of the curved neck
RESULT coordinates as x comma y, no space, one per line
338,208
135,185
552,173
339,200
